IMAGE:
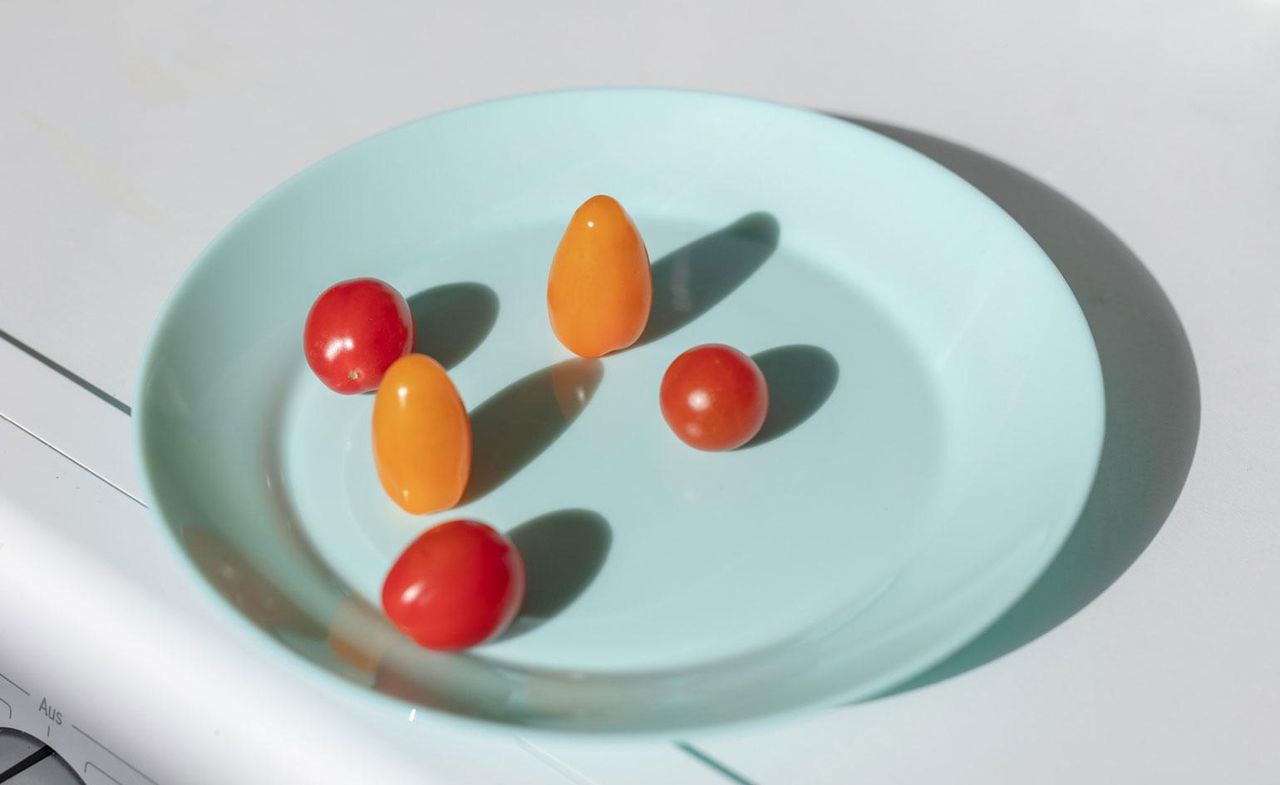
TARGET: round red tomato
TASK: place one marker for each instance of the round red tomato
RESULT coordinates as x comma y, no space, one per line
355,330
714,397
459,584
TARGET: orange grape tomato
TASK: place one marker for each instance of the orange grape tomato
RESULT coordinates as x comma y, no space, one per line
421,436
600,287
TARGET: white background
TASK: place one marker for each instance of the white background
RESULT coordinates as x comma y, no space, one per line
130,132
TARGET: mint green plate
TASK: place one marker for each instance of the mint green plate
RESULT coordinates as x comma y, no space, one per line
936,422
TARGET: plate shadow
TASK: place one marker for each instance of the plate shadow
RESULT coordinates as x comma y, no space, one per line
1152,399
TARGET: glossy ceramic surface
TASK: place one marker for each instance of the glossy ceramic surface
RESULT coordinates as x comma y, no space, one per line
935,424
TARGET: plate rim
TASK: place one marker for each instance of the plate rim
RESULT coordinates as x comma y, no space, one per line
869,689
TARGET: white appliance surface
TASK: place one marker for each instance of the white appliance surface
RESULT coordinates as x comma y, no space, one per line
130,132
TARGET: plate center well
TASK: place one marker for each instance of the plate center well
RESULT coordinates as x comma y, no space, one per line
647,554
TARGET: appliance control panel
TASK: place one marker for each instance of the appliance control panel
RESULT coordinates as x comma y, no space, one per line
40,744
25,761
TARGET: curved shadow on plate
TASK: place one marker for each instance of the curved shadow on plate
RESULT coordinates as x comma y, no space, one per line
1152,406
524,418
452,320
563,552
800,378
690,280
254,594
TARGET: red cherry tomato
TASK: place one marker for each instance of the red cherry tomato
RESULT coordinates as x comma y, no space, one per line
355,330
459,584
714,397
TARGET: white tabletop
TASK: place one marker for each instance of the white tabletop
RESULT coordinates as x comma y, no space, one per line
130,132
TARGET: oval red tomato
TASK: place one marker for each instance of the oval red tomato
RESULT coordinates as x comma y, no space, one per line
355,330
714,397
459,584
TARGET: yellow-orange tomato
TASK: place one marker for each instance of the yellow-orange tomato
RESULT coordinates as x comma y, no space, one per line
600,288
421,436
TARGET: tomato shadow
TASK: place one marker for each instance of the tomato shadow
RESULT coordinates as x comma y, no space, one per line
452,320
800,378
524,418
690,280
563,552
